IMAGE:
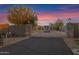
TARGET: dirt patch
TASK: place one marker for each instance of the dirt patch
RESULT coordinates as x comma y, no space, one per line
72,42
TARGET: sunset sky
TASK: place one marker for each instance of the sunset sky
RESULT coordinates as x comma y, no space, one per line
47,13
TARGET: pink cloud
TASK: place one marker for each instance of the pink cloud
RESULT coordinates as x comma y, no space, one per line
54,15
46,16
3,18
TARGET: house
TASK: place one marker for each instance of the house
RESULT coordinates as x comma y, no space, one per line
73,29
47,28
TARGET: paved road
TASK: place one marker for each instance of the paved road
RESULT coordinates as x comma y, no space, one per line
38,46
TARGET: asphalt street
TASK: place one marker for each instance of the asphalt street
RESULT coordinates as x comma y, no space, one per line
38,46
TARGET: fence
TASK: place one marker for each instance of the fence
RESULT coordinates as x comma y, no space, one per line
73,30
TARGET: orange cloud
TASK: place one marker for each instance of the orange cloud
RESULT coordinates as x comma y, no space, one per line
2,26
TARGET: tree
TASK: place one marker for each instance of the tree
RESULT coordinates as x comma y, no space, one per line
22,15
58,25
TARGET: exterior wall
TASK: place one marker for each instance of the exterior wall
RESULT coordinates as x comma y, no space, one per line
47,28
69,30
19,30
73,30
